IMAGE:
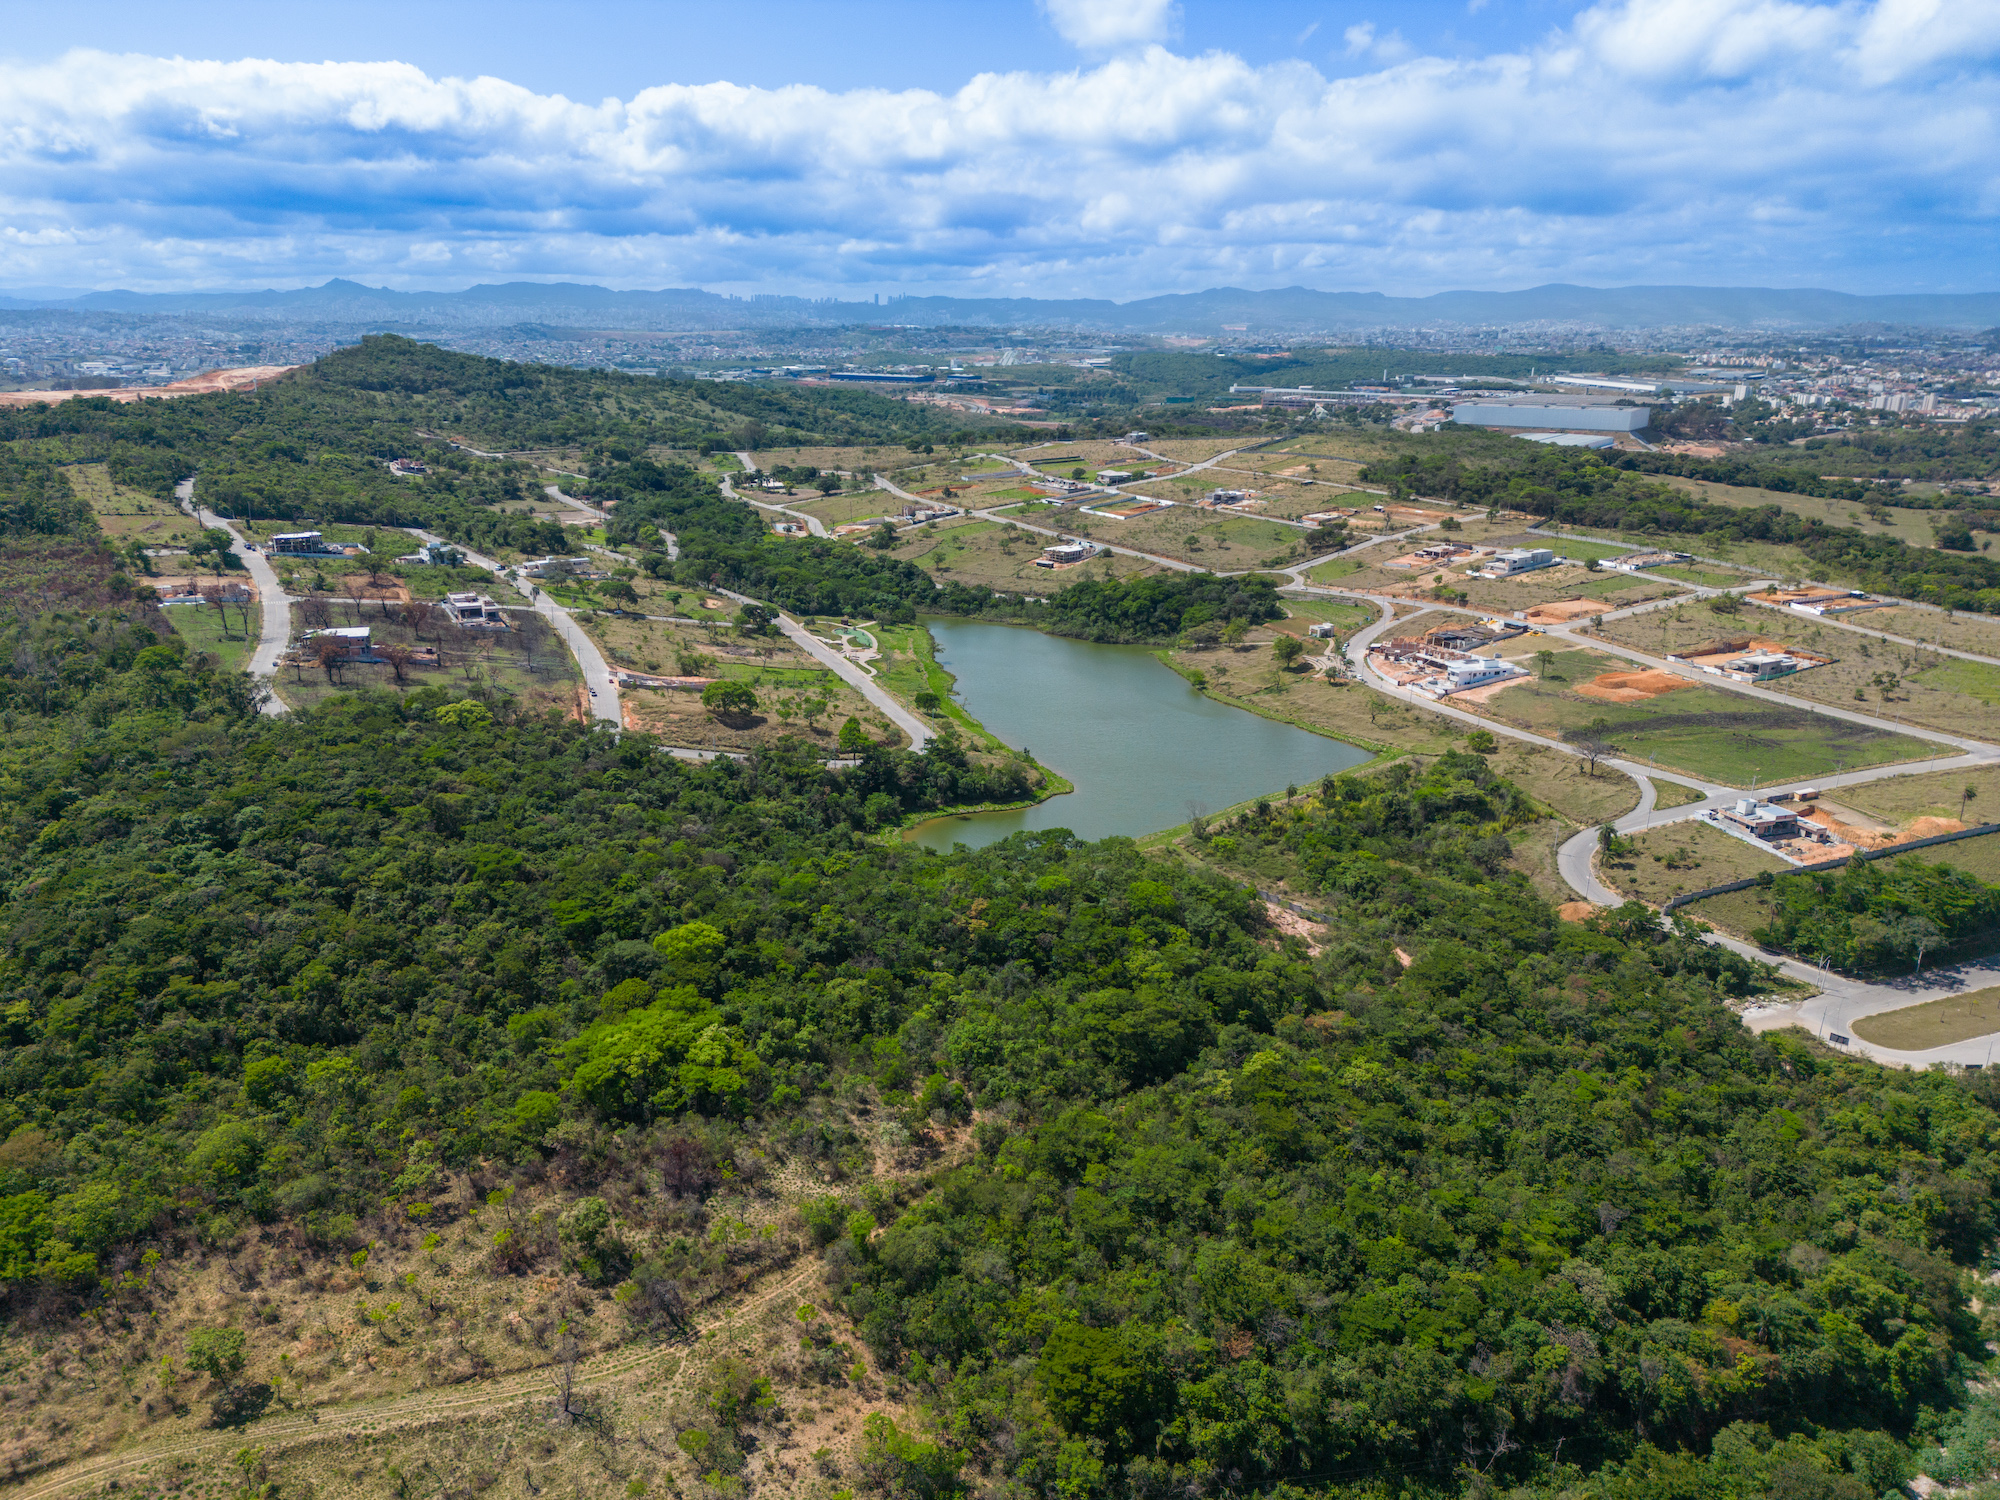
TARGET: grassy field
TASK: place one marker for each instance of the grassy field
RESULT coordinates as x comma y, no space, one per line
1897,799
1975,633
1703,731
1670,794
1345,618
1912,526
1003,557
1219,541
1872,676
1763,559
526,662
1936,1023
226,639
1703,577
123,512
1687,856
796,694
838,510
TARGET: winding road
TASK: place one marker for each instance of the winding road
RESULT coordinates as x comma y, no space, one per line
274,605
597,676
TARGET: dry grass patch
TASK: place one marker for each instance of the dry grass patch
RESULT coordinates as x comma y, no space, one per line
1686,856
1935,1023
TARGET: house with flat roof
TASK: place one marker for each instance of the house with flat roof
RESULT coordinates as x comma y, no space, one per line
1764,820
1063,553
474,611
1517,560
305,544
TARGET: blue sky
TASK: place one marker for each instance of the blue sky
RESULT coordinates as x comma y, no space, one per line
1021,147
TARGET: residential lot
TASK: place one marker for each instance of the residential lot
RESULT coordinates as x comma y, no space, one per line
1874,676
1686,856
124,512
1703,731
1001,556
526,662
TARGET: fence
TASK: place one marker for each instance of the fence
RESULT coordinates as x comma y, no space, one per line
1835,864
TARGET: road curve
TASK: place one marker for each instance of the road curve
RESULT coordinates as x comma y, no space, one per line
919,732
274,604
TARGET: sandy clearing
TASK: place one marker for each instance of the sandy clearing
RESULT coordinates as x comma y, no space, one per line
247,377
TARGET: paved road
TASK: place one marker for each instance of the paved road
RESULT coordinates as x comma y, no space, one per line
814,525
274,604
596,671
554,492
993,514
850,672
1882,635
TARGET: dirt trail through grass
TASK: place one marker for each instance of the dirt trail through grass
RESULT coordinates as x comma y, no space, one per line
292,1430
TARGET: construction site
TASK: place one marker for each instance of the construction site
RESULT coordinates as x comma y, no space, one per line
1748,658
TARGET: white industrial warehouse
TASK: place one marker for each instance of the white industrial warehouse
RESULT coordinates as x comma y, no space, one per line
1589,418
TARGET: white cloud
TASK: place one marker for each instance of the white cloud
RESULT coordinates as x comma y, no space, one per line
1652,140
1098,24
1359,37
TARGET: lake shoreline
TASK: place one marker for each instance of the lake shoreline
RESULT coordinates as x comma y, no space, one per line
1134,742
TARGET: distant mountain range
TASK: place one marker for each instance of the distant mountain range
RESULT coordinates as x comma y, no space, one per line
561,305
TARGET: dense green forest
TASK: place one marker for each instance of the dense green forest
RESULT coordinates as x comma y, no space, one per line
1467,1199
1576,487
1880,914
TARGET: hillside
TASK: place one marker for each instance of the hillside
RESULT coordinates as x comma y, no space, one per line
421,1095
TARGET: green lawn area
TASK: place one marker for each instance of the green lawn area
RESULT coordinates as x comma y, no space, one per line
1936,1023
1973,678
1708,578
1343,615
1702,731
1339,568
204,629
1584,551
909,666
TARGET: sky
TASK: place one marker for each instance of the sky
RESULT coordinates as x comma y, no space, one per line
1109,148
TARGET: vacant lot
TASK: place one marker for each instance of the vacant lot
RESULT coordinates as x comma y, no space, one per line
827,460
1345,618
1867,674
1702,731
229,634
840,510
1002,557
526,662
1220,541
1701,575
124,512
1688,856
1936,1023
1939,794
1912,526
1976,633
786,708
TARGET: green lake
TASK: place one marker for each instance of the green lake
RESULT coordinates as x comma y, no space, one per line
1135,739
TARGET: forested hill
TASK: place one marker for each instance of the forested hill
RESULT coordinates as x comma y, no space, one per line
405,1039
